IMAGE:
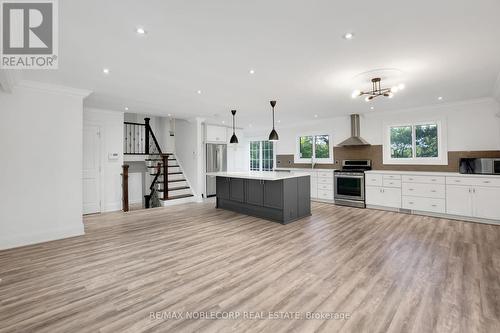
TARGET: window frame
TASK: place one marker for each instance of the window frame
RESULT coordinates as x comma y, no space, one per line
261,155
299,159
441,159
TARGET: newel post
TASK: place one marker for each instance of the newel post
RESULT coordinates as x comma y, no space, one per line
146,139
165,176
125,187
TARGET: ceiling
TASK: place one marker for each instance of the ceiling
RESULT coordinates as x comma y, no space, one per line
446,48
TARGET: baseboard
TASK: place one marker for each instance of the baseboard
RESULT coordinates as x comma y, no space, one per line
112,207
39,237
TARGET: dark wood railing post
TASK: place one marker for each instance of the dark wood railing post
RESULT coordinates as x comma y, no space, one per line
125,187
165,176
146,139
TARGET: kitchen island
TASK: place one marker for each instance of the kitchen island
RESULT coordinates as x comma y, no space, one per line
278,196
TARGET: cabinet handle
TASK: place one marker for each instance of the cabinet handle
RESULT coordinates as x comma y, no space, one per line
433,205
410,178
457,181
433,179
411,202
469,190
433,191
410,189
473,190
486,182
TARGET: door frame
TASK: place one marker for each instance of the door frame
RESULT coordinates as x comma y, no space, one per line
100,162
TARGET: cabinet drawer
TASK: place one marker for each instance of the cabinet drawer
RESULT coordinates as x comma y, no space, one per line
424,179
325,194
373,179
328,187
321,180
424,190
392,182
325,174
424,204
473,181
389,177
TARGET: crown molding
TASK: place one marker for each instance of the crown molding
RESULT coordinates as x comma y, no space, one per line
52,88
8,80
496,89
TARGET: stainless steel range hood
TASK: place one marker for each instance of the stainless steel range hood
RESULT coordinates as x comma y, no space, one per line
355,139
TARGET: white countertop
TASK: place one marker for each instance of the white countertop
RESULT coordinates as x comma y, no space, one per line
260,175
429,173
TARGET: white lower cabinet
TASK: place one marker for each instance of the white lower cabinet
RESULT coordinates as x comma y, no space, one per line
458,200
472,196
476,201
383,196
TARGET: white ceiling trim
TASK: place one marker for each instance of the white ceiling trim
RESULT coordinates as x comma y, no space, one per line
496,89
52,88
8,80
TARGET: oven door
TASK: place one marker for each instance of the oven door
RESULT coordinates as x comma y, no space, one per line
351,187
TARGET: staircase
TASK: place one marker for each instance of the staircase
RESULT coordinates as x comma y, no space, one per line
177,185
168,185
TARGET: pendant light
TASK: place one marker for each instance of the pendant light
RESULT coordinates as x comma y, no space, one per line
273,136
234,139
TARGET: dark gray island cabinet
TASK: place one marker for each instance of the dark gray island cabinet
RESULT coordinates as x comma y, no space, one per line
281,198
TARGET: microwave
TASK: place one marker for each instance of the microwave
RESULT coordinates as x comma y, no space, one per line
486,166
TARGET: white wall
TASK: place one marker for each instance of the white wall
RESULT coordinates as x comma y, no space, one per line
238,155
189,152
472,125
111,127
41,178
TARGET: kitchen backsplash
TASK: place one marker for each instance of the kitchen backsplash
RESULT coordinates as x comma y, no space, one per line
375,153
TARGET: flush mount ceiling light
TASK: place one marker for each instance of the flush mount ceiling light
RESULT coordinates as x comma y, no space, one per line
252,71
126,108
440,98
198,92
234,139
273,136
105,71
140,31
348,35
377,90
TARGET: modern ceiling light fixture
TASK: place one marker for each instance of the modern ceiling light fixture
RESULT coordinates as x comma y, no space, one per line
105,71
234,139
273,136
377,90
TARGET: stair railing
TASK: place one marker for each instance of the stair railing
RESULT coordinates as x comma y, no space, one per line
152,188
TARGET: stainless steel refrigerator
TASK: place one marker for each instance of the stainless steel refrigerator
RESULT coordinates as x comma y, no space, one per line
216,161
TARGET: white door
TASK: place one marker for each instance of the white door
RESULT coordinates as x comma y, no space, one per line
485,202
91,166
458,200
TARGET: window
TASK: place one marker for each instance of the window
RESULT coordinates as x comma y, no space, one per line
313,146
418,143
261,156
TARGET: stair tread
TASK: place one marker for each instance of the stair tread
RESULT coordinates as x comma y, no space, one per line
173,197
171,181
176,188
175,173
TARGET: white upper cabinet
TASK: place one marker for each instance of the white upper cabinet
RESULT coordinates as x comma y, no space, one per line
216,134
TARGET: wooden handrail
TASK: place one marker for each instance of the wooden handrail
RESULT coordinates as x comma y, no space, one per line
131,123
125,188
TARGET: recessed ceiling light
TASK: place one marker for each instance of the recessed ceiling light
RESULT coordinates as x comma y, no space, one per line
401,86
249,125
140,31
372,107
252,71
223,122
126,108
440,98
315,116
279,121
348,35
105,70
199,92
170,115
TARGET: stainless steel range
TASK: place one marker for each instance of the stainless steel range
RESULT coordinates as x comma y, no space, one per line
349,183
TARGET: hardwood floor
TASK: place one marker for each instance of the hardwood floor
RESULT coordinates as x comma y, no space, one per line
389,272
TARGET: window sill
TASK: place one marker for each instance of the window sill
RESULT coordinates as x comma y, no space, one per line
414,161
